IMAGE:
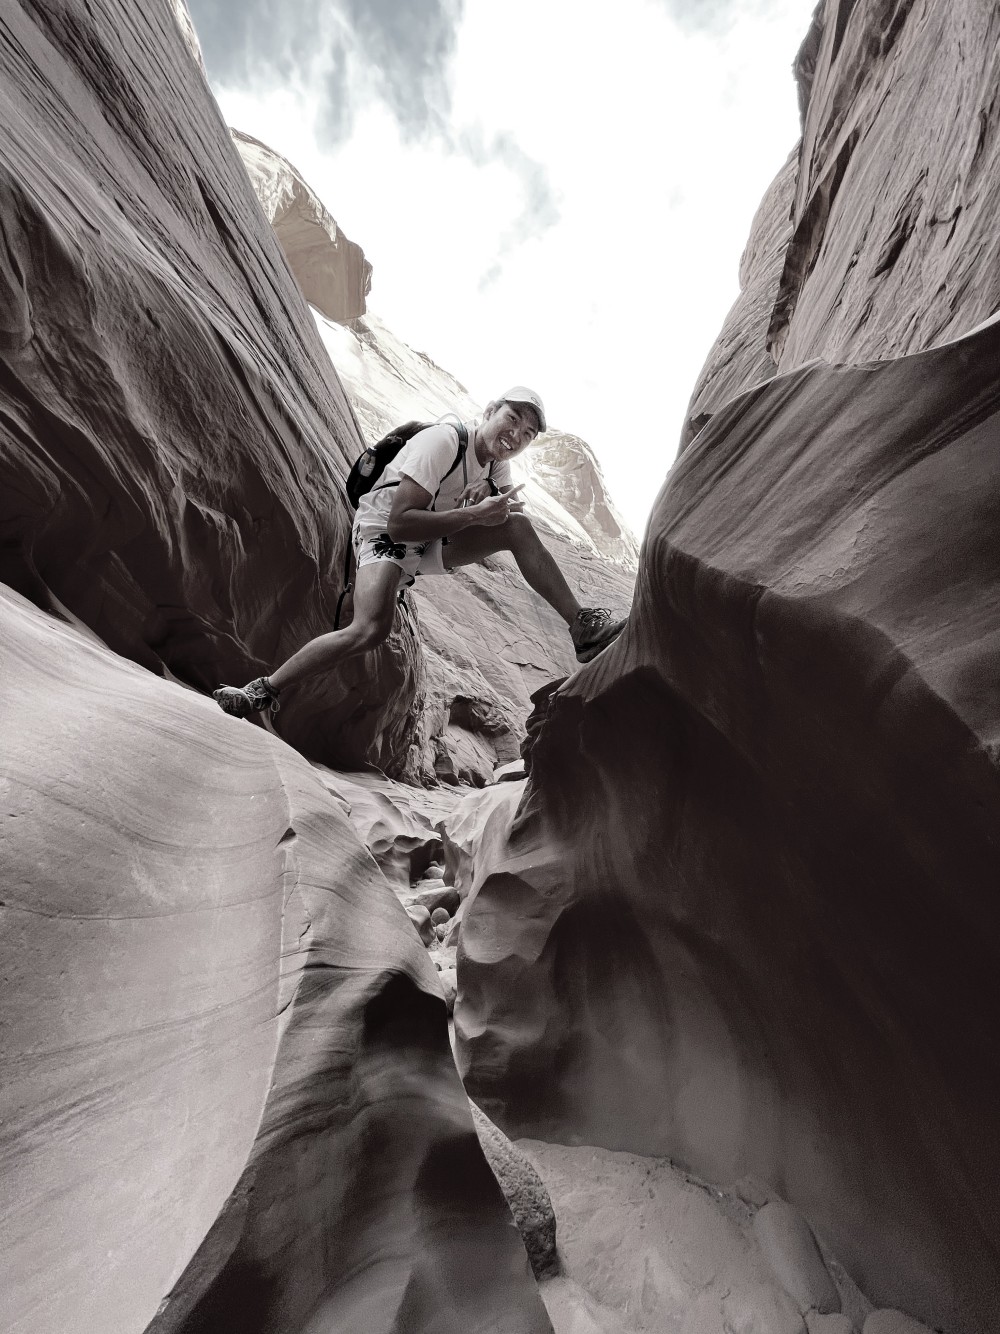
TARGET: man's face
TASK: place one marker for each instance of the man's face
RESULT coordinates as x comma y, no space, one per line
509,430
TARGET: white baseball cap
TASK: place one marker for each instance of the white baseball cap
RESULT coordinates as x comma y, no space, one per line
520,395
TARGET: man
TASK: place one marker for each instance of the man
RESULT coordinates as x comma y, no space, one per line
425,516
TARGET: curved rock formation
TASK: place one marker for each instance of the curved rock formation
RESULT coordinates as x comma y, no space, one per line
747,914
229,1102
173,438
332,271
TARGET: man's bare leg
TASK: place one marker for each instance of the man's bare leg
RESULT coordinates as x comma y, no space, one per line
375,587
536,564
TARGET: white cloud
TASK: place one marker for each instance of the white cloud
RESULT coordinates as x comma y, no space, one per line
578,223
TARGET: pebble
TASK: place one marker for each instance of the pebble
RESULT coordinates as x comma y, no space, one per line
440,915
441,928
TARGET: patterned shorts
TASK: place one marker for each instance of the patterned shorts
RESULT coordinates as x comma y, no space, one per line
411,558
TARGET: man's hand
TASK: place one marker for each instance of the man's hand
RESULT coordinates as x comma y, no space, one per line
475,492
497,509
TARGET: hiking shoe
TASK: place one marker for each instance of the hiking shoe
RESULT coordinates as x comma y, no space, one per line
593,629
240,702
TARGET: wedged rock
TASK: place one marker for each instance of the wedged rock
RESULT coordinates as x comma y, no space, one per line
524,1192
173,437
332,271
229,1102
791,1250
749,893
439,896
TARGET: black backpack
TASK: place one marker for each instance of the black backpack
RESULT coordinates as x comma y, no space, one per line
367,469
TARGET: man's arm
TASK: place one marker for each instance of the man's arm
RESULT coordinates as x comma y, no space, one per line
411,521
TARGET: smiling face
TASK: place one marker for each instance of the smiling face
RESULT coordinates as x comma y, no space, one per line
507,429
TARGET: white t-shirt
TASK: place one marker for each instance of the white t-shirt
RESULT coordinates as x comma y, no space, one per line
426,458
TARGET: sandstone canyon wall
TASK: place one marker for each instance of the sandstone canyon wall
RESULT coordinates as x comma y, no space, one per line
173,438
747,912
876,238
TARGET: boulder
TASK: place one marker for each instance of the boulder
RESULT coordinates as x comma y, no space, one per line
229,1101
439,897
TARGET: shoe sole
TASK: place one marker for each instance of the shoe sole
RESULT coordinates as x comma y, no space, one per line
230,713
589,654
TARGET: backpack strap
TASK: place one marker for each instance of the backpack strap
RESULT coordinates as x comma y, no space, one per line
463,444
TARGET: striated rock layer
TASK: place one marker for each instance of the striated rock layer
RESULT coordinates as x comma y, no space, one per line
229,1102
173,438
747,915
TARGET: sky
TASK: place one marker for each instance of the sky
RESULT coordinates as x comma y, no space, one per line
551,192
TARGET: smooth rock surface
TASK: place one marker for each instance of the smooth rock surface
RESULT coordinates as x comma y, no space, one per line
229,1102
893,1322
787,1242
749,893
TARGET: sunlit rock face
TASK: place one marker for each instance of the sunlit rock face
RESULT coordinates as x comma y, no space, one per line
747,913
879,239
332,271
229,1102
173,439
741,356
